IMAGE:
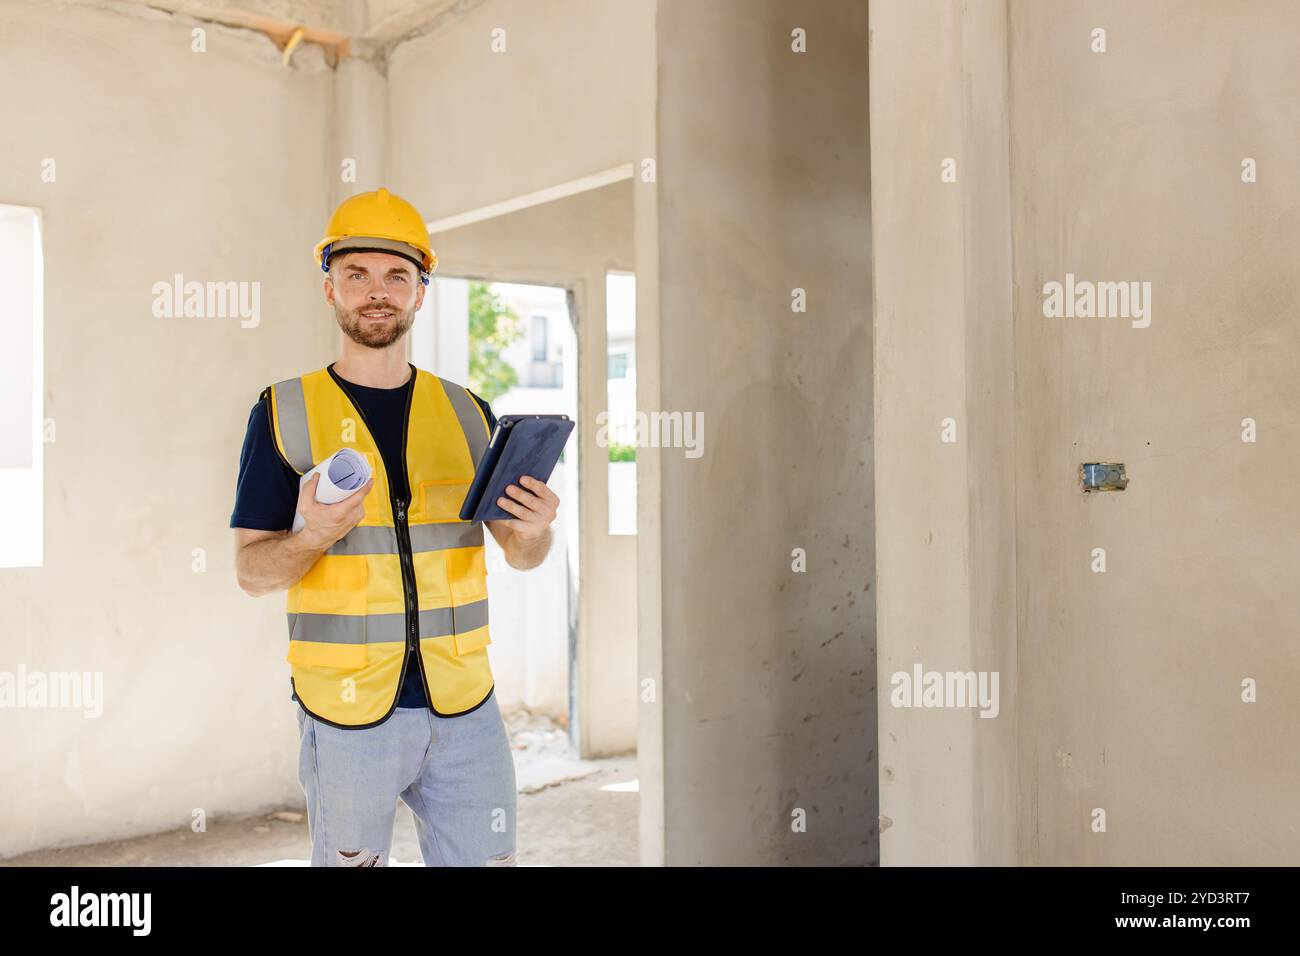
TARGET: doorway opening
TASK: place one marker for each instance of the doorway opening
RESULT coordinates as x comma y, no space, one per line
514,345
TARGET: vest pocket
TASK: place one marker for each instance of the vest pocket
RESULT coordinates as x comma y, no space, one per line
467,574
441,500
335,584
470,641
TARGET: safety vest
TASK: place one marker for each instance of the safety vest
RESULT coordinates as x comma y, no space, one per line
411,574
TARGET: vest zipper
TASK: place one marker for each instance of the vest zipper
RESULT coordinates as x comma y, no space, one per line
410,594
404,551
408,562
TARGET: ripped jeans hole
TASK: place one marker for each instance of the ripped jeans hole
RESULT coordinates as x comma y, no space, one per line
504,859
357,858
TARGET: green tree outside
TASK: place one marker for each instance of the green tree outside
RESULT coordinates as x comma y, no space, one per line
492,328
619,452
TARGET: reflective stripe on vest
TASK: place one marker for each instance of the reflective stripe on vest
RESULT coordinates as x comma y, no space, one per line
348,633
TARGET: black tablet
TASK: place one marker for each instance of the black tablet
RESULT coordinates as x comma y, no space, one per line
520,445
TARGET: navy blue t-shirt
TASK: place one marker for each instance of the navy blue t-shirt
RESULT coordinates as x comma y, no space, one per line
266,494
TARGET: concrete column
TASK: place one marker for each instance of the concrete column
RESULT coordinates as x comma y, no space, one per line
360,132
765,712
359,138
944,358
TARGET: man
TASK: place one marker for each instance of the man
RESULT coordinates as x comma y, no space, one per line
387,590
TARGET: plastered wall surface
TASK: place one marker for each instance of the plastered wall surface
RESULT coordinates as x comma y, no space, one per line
1121,690
564,99
166,161
767,692
1127,166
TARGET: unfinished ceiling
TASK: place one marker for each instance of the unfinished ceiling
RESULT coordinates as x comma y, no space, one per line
364,28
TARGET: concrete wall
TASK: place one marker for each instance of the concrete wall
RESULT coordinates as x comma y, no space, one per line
471,126
1127,166
766,696
168,161
1120,691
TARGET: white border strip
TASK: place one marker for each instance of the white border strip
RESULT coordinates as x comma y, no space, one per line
549,194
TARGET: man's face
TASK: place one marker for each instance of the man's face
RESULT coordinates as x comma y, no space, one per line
375,296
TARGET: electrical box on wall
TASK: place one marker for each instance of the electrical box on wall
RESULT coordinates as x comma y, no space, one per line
1102,476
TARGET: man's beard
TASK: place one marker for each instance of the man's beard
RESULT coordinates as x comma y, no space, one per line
368,333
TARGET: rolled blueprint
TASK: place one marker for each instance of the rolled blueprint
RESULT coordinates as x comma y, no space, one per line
340,474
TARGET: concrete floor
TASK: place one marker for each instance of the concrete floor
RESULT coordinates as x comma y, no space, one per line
572,812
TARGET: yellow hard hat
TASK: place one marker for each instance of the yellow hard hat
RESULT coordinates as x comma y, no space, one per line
378,222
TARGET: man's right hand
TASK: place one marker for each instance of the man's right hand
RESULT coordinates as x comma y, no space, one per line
326,524
267,561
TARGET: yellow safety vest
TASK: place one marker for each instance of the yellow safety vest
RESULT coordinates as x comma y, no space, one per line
410,574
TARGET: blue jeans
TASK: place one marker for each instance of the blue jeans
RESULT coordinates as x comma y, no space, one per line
455,773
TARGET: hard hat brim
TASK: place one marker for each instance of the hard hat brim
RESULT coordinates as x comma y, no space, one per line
428,265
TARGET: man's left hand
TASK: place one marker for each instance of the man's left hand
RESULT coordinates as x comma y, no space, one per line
534,507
